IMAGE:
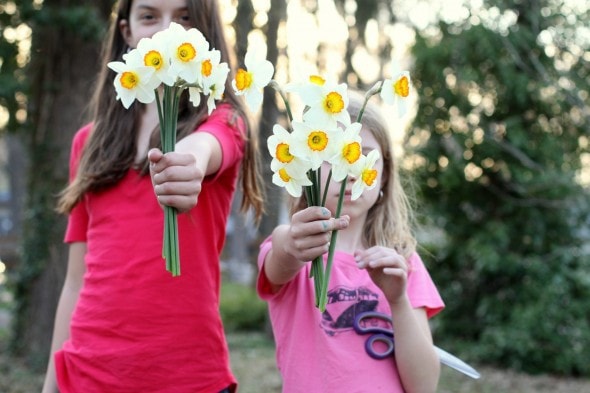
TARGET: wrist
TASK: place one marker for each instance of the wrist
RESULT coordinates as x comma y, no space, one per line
400,304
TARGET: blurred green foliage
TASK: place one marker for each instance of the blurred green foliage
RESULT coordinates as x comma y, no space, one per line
241,309
496,153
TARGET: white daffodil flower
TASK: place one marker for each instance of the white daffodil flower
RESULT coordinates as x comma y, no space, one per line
396,91
327,101
314,144
133,80
215,85
292,179
188,49
366,176
209,70
253,79
279,146
153,52
212,78
349,151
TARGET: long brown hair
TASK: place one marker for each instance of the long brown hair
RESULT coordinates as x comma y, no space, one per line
111,147
389,221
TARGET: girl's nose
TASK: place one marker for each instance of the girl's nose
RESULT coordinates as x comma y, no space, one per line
166,21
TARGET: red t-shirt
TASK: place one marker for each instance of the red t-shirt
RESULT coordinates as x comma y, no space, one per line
135,327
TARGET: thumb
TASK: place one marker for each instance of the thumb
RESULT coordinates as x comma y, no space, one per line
154,155
341,223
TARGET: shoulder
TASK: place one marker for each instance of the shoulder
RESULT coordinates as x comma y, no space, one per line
79,140
81,136
226,116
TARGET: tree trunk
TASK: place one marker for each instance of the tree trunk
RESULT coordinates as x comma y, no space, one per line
64,60
270,115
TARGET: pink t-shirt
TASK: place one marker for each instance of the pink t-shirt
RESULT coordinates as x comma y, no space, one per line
321,352
135,327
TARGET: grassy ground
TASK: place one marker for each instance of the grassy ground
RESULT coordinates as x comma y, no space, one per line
253,362
254,365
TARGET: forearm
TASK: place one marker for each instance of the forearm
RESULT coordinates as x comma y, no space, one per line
61,333
416,359
67,301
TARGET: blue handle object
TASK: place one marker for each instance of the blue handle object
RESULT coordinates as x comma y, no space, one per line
387,339
384,335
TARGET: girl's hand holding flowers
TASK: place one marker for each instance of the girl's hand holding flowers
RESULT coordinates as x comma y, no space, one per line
310,231
176,179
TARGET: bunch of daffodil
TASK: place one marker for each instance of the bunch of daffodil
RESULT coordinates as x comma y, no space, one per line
160,69
326,134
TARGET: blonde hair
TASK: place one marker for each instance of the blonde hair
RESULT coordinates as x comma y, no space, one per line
389,221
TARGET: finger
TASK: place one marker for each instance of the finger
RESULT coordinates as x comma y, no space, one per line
313,213
178,174
177,188
394,272
312,244
181,202
312,253
310,230
388,262
331,224
376,252
161,162
154,155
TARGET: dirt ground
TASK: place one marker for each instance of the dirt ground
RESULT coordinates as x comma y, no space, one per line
253,362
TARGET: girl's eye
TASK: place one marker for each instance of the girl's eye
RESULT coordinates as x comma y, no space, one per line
147,17
184,19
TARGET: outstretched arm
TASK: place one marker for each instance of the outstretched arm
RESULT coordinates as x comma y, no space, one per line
178,176
295,244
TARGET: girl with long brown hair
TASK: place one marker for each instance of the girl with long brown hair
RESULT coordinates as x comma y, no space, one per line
123,323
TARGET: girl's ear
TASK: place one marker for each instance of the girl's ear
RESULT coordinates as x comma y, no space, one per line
125,30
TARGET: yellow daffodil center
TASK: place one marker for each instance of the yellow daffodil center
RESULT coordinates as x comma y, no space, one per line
283,154
402,87
284,175
317,80
129,80
352,152
206,68
186,52
333,103
369,176
153,59
317,140
243,79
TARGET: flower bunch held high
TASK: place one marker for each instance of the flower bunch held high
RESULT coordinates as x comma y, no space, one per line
160,69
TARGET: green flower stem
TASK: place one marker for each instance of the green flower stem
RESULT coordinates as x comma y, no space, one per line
326,188
317,265
168,117
326,276
376,89
322,295
277,87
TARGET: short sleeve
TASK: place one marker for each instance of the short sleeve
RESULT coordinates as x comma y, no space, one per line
421,289
263,286
230,130
78,217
